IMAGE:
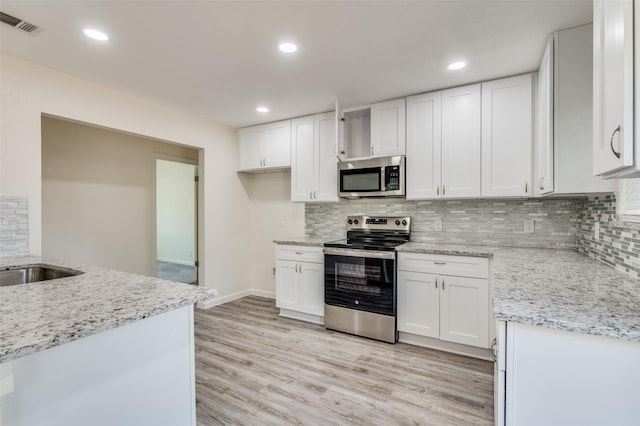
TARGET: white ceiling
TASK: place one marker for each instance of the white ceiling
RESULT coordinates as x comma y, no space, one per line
219,59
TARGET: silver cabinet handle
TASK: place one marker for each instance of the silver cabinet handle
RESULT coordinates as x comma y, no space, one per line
443,283
541,183
443,190
315,195
310,194
526,187
296,268
617,154
440,263
438,190
300,269
299,252
494,349
436,282
372,151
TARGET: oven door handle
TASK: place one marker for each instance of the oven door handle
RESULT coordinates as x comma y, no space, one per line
370,254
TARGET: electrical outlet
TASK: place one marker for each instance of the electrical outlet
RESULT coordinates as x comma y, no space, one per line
529,226
281,223
596,230
437,225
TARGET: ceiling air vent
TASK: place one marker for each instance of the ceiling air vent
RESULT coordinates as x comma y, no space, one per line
19,23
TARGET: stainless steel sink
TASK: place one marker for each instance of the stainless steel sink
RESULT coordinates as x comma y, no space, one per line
31,274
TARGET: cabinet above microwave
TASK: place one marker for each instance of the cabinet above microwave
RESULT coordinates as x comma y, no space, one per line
372,131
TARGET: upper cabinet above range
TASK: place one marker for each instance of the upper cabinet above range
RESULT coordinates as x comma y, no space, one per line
265,147
377,130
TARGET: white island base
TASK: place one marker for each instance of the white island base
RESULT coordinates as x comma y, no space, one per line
137,374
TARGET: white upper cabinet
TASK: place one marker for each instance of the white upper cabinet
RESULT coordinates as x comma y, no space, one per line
443,144
424,143
572,116
264,147
303,159
314,166
461,142
507,136
376,130
388,128
613,91
543,182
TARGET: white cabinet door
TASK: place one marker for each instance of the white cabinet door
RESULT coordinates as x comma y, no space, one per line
267,146
464,311
314,169
326,167
388,128
303,167
418,304
250,148
543,183
424,139
507,137
461,142
311,288
613,85
556,377
278,144
573,119
287,285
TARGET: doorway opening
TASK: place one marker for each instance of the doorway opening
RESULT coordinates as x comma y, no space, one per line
177,219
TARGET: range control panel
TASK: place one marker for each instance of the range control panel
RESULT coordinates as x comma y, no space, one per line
396,223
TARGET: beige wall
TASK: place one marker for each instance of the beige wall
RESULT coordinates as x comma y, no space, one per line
98,203
28,91
273,216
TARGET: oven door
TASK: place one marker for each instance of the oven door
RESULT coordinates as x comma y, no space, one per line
360,279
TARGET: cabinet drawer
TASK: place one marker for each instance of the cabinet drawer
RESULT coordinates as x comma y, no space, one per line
462,266
300,253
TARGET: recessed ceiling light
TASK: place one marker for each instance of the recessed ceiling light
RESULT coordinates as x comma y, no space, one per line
287,47
95,34
262,109
457,65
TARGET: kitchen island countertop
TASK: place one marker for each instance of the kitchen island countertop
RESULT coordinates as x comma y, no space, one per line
41,315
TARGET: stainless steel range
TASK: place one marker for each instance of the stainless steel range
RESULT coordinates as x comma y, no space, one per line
360,277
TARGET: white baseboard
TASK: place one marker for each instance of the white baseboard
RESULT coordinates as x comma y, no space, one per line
235,296
179,262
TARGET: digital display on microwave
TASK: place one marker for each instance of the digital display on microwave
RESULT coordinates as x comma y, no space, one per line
360,180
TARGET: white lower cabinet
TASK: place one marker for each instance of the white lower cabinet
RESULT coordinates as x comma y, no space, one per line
445,298
556,377
300,282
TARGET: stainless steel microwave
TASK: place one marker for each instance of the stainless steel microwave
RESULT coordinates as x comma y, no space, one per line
375,177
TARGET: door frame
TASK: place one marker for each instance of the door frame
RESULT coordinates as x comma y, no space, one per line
197,191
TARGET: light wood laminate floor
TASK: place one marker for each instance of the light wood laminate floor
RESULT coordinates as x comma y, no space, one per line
255,368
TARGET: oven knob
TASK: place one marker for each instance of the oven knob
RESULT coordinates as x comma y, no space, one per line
355,221
404,223
350,222
397,222
357,302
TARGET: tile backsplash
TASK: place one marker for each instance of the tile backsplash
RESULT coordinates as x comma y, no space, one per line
617,243
488,222
14,226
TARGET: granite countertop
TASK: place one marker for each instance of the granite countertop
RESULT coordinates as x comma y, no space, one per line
560,289
41,315
452,249
307,241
